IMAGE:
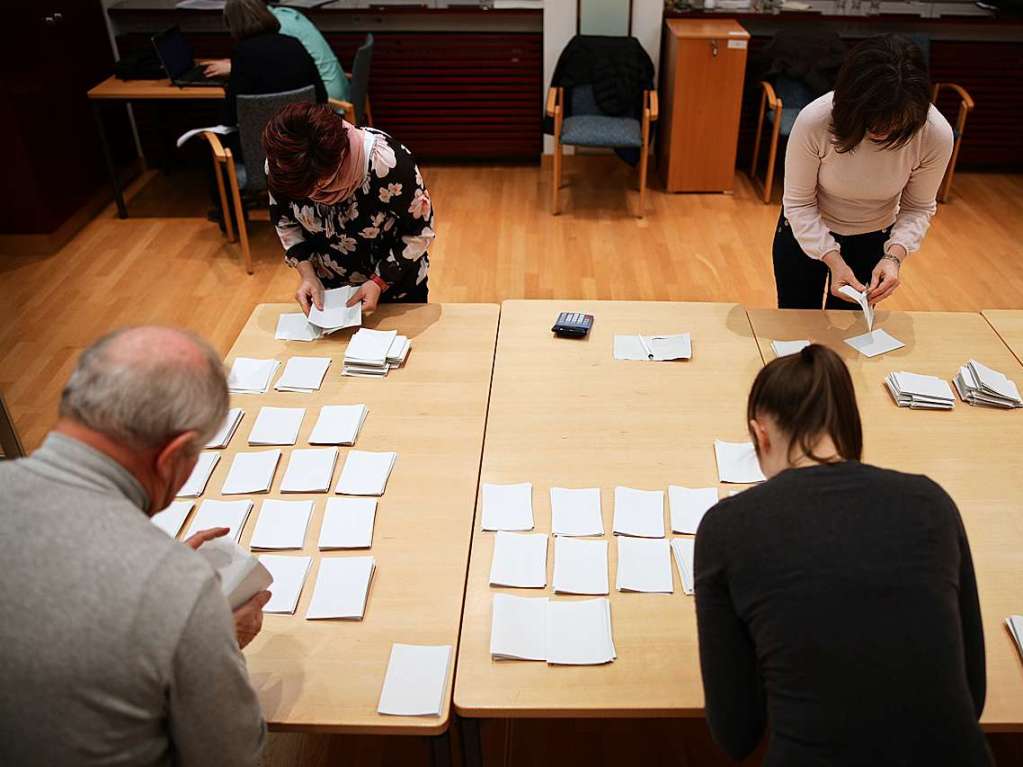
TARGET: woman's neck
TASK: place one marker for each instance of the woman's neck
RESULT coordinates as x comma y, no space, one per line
822,451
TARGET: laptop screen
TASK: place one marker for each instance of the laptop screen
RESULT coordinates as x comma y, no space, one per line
174,51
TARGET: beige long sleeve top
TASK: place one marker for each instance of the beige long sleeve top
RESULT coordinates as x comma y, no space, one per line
864,190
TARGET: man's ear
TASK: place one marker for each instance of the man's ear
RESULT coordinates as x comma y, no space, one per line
761,439
168,457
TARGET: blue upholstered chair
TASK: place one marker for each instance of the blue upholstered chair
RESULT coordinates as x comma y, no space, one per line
357,111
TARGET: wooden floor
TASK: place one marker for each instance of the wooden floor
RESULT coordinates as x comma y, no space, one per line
496,240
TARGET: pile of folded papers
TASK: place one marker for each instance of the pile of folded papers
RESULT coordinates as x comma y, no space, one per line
978,384
920,392
372,353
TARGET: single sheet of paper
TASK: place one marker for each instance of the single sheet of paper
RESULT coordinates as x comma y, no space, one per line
862,300
518,628
342,585
223,436
303,374
293,326
173,517
655,348
229,514
580,566
415,680
520,560
737,462
639,512
281,525
251,376
576,512
683,549
335,314
277,426
309,470
195,485
644,564
289,575
579,632
241,574
688,505
365,473
338,425
785,348
508,507
348,523
874,343
251,472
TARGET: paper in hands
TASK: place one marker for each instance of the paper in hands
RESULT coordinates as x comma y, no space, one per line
862,300
335,315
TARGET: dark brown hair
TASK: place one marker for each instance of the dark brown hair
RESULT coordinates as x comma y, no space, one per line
809,394
883,87
304,144
248,18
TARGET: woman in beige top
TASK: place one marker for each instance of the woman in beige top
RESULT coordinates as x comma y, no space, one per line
862,171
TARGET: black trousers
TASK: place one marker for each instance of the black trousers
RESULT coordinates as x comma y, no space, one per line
801,281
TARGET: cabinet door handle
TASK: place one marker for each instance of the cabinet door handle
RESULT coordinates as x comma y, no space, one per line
713,47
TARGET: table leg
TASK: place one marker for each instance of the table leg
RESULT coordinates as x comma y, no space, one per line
122,211
440,749
472,748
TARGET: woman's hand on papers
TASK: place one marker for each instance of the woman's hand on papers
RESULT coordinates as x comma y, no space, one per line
841,274
885,277
310,289
202,536
369,294
248,619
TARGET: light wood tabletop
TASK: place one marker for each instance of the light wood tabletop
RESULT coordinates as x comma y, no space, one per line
973,452
564,413
327,675
1008,324
113,89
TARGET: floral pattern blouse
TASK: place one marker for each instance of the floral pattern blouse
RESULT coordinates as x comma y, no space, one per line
383,228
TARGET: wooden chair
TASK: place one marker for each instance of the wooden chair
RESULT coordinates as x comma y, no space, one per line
357,111
780,118
966,105
10,442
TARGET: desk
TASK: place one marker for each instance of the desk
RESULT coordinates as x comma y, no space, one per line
326,676
113,89
1008,324
973,452
565,413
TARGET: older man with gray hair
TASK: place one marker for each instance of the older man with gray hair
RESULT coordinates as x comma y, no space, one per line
116,643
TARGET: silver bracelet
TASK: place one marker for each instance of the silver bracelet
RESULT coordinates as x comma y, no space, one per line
890,257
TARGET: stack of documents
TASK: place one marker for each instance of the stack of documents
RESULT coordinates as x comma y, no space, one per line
644,564
874,343
683,549
520,560
348,523
785,348
335,315
296,327
919,392
657,348
737,462
576,512
223,437
639,512
580,566
195,485
862,300
172,518
303,374
277,426
251,376
559,632
242,576
980,385
229,514
338,425
365,473
688,506
309,470
508,507
372,353
251,473
342,585
281,525
289,576
415,680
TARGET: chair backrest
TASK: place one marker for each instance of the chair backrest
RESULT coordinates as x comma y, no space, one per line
583,101
10,443
254,112
360,78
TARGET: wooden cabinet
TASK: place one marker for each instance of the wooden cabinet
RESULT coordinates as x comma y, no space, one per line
702,72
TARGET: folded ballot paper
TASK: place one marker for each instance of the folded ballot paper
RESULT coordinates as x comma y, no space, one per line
373,353
580,566
978,384
223,436
303,374
874,343
683,549
173,517
295,326
415,680
251,376
342,585
655,348
335,315
568,632
737,462
644,564
519,561
785,348
338,425
365,473
242,575
919,392
1015,625
195,485
289,573
862,300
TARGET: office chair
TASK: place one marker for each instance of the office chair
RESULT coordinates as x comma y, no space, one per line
357,111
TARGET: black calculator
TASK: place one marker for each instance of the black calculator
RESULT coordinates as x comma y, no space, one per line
573,325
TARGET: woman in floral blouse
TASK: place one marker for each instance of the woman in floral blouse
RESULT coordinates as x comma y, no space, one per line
350,207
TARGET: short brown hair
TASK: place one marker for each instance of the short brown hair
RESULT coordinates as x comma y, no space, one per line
248,18
304,143
809,394
883,87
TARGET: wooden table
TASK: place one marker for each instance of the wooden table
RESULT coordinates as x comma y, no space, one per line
113,89
1008,324
565,413
326,676
973,452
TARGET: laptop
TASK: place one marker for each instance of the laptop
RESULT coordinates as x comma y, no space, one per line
175,53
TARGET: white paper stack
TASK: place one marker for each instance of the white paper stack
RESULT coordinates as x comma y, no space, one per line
415,680
785,348
863,301
277,426
173,517
683,549
289,577
251,376
688,505
644,564
281,525
737,462
656,348
508,507
397,353
639,512
251,473
348,523
296,327
342,585
338,425
1015,625
223,437
367,353
573,632
335,315
980,385
196,482
580,566
229,514
242,576
520,560
365,473
919,392
309,470
303,374
874,343
576,512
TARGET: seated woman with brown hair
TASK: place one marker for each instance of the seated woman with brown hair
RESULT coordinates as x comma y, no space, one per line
836,603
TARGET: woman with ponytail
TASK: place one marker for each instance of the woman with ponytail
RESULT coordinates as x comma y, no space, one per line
836,603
